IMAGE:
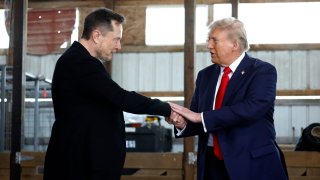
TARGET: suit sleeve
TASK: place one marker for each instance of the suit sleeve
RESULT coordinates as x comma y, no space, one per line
254,100
194,128
95,81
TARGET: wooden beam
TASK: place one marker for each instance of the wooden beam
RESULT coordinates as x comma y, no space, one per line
302,159
275,47
162,93
189,58
235,8
305,92
203,48
170,2
110,4
108,64
153,160
64,4
17,53
101,3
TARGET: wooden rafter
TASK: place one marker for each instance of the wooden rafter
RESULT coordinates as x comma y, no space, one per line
102,3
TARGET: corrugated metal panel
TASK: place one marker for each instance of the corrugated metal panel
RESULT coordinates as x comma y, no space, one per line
177,71
283,65
3,59
314,71
299,69
130,71
146,76
291,119
41,65
164,71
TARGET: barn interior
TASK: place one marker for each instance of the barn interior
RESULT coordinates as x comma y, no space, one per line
163,48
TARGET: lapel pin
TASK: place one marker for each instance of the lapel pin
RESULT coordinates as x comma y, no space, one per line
242,72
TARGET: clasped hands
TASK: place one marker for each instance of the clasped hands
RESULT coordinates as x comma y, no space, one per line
180,115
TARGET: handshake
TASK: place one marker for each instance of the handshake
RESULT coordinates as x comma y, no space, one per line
180,115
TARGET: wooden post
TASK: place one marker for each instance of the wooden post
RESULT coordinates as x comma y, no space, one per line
235,8
210,14
108,65
17,53
189,57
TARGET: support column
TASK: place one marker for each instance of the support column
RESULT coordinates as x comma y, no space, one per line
17,53
189,58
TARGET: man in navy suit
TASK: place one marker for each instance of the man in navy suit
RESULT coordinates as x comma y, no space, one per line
88,135
244,124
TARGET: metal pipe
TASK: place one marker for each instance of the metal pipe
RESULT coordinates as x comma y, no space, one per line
3,108
36,114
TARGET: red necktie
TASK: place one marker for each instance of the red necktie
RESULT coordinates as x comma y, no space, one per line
218,103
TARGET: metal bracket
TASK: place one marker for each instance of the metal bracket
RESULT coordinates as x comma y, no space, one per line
192,158
20,158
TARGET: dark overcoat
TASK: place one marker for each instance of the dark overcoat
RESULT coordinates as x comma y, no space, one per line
88,135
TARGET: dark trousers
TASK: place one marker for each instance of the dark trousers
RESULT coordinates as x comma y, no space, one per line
214,168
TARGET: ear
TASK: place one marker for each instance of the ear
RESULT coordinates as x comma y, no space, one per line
95,36
236,45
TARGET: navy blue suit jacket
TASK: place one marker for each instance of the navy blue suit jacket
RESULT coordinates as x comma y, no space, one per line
244,123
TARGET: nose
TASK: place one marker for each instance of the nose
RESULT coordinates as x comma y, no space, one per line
118,45
210,45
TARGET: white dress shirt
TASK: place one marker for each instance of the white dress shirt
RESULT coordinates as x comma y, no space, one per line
233,68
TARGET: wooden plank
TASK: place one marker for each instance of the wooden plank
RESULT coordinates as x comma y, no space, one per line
153,160
304,177
37,159
100,3
302,159
313,172
65,4
202,48
4,160
296,171
4,172
23,177
307,92
4,177
150,178
32,177
150,172
166,2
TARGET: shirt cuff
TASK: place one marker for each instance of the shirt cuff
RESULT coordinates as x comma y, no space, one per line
204,125
180,131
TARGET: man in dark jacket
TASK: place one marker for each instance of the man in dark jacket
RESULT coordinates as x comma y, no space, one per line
88,136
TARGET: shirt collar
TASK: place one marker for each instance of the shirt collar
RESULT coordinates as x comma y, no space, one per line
236,63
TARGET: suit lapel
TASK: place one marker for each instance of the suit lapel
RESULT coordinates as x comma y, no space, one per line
243,70
212,82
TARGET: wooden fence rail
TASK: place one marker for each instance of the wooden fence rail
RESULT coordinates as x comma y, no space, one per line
301,165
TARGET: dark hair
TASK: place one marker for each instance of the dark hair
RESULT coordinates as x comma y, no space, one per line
100,18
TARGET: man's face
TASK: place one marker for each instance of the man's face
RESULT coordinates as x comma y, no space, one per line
221,47
109,42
